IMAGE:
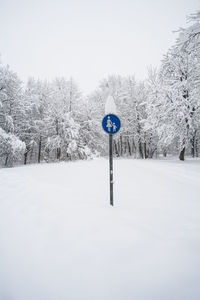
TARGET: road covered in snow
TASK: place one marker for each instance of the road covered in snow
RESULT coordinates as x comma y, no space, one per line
61,240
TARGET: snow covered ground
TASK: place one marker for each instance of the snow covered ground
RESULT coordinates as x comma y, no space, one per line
60,239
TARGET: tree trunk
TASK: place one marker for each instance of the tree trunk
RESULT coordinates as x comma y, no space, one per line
196,148
182,154
151,153
125,147
6,161
145,150
193,149
118,146
129,147
25,158
39,152
121,146
116,149
193,142
58,153
165,153
140,150
134,149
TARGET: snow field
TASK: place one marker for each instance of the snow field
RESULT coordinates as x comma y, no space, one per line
60,239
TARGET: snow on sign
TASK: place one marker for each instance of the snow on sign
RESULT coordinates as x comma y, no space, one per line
111,124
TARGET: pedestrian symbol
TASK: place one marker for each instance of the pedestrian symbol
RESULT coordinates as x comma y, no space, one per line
111,124
114,127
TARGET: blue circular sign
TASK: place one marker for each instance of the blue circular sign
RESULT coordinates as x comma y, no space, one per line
111,124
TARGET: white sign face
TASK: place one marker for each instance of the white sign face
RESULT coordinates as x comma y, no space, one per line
110,107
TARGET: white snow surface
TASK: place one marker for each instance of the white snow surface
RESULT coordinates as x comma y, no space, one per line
61,240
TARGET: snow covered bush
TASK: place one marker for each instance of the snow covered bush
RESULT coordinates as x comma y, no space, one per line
65,142
11,148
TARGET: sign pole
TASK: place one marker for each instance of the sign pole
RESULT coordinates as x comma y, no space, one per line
111,167
111,124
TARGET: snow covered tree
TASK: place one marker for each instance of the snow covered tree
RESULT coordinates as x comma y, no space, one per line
10,116
130,99
64,120
155,114
34,132
179,75
190,37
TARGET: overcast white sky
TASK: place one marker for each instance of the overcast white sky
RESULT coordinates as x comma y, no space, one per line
89,39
